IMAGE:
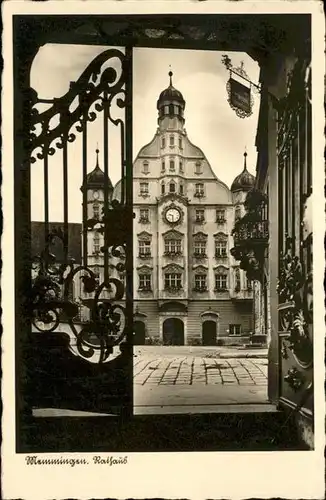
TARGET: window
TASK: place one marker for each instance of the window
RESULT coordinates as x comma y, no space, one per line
172,187
163,165
181,189
145,167
144,248
237,213
144,215
144,188
200,248
163,188
198,169
172,280
199,190
172,166
96,211
145,282
234,329
172,246
220,215
200,282
200,215
96,244
163,142
220,248
180,142
181,166
171,140
221,281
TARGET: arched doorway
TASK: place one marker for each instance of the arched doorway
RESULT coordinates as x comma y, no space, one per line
209,332
173,332
139,333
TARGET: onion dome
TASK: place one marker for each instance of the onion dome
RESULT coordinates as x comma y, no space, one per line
95,179
171,101
244,181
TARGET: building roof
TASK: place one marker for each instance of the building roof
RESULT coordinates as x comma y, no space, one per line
245,180
74,240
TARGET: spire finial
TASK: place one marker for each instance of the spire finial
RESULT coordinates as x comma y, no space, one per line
97,152
170,75
245,158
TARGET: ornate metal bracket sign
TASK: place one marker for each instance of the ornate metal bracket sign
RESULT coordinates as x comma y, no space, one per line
239,98
240,95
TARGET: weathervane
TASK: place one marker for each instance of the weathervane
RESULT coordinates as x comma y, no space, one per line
240,95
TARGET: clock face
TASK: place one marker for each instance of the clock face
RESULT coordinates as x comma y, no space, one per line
95,195
172,215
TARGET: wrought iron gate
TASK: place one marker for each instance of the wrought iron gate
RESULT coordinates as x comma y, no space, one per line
295,243
79,350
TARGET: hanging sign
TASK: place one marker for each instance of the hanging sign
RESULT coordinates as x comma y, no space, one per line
240,98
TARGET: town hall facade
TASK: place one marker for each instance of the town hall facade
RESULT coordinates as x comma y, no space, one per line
188,289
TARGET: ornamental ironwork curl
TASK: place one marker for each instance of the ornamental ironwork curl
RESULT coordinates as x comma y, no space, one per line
95,87
51,301
295,310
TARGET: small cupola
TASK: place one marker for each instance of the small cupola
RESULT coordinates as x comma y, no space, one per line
171,102
244,181
95,179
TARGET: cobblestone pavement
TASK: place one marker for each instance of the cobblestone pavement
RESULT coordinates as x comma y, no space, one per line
193,370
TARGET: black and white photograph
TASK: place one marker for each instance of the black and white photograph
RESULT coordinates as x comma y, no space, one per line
159,274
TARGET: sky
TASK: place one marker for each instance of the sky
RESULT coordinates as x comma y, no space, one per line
210,122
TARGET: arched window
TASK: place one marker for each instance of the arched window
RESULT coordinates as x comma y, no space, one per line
171,140
145,167
163,188
172,166
181,166
163,142
163,165
172,187
181,189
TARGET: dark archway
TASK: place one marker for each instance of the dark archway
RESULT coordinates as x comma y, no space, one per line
173,332
139,333
209,332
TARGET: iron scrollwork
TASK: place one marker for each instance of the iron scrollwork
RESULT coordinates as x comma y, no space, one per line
52,302
103,325
295,310
251,235
87,91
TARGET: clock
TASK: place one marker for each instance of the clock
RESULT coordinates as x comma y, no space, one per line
172,215
95,195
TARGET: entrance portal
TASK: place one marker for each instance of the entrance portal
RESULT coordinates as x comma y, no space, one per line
139,333
173,332
209,333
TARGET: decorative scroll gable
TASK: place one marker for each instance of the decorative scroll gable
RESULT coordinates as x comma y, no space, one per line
173,234
220,236
221,269
144,269
200,236
144,236
172,268
200,269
